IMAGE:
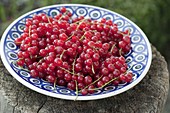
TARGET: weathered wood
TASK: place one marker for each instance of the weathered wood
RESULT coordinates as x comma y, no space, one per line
148,96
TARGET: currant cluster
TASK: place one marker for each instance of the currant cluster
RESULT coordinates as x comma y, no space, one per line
78,53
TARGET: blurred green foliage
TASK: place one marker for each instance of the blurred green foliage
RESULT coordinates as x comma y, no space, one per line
151,16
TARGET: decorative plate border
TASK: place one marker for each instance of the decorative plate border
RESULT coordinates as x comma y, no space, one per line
140,53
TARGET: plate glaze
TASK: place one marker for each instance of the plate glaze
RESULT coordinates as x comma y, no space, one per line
138,59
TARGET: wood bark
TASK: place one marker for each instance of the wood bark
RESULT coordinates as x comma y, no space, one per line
148,96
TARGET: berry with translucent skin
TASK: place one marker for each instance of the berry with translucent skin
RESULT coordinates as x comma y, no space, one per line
104,71
106,46
78,67
129,77
95,57
34,73
80,79
100,83
50,79
111,67
61,82
91,89
43,52
68,77
84,91
88,62
20,62
71,85
88,80
63,9
60,74
58,62
105,79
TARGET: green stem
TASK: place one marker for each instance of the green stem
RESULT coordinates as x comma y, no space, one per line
105,84
21,66
48,19
92,83
63,15
62,54
112,47
40,61
68,71
129,69
82,37
70,37
55,83
80,21
120,52
76,91
74,63
29,31
93,69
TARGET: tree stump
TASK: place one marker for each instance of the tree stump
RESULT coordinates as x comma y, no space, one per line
149,96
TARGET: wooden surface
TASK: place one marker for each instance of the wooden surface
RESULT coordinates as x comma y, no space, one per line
148,96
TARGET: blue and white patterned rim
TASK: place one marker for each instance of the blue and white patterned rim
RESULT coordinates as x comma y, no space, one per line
139,57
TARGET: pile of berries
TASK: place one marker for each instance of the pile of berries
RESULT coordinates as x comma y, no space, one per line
78,53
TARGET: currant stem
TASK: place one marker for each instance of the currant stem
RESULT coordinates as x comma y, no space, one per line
120,52
105,84
70,37
129,69
92,83
76,91
63,15
128,32
62,54
55,82
29,34
93,69
40,61
82,37
67,71
80,21
74,63
21,66
48,19
112,47
24,69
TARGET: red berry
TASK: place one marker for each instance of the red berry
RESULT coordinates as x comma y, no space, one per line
63,9
50,79
88,80
100,84
111,67
58,62
20,62
61,82
105,79
88,62
78,67
91,89
84,91
34,73
81,85
71,85
104,71
96,57
68,77
106,46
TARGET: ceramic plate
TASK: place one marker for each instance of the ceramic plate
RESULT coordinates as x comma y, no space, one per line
139,58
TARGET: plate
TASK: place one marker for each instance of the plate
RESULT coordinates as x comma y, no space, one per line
138,59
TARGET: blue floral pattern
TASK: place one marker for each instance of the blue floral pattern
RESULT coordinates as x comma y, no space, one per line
138,59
